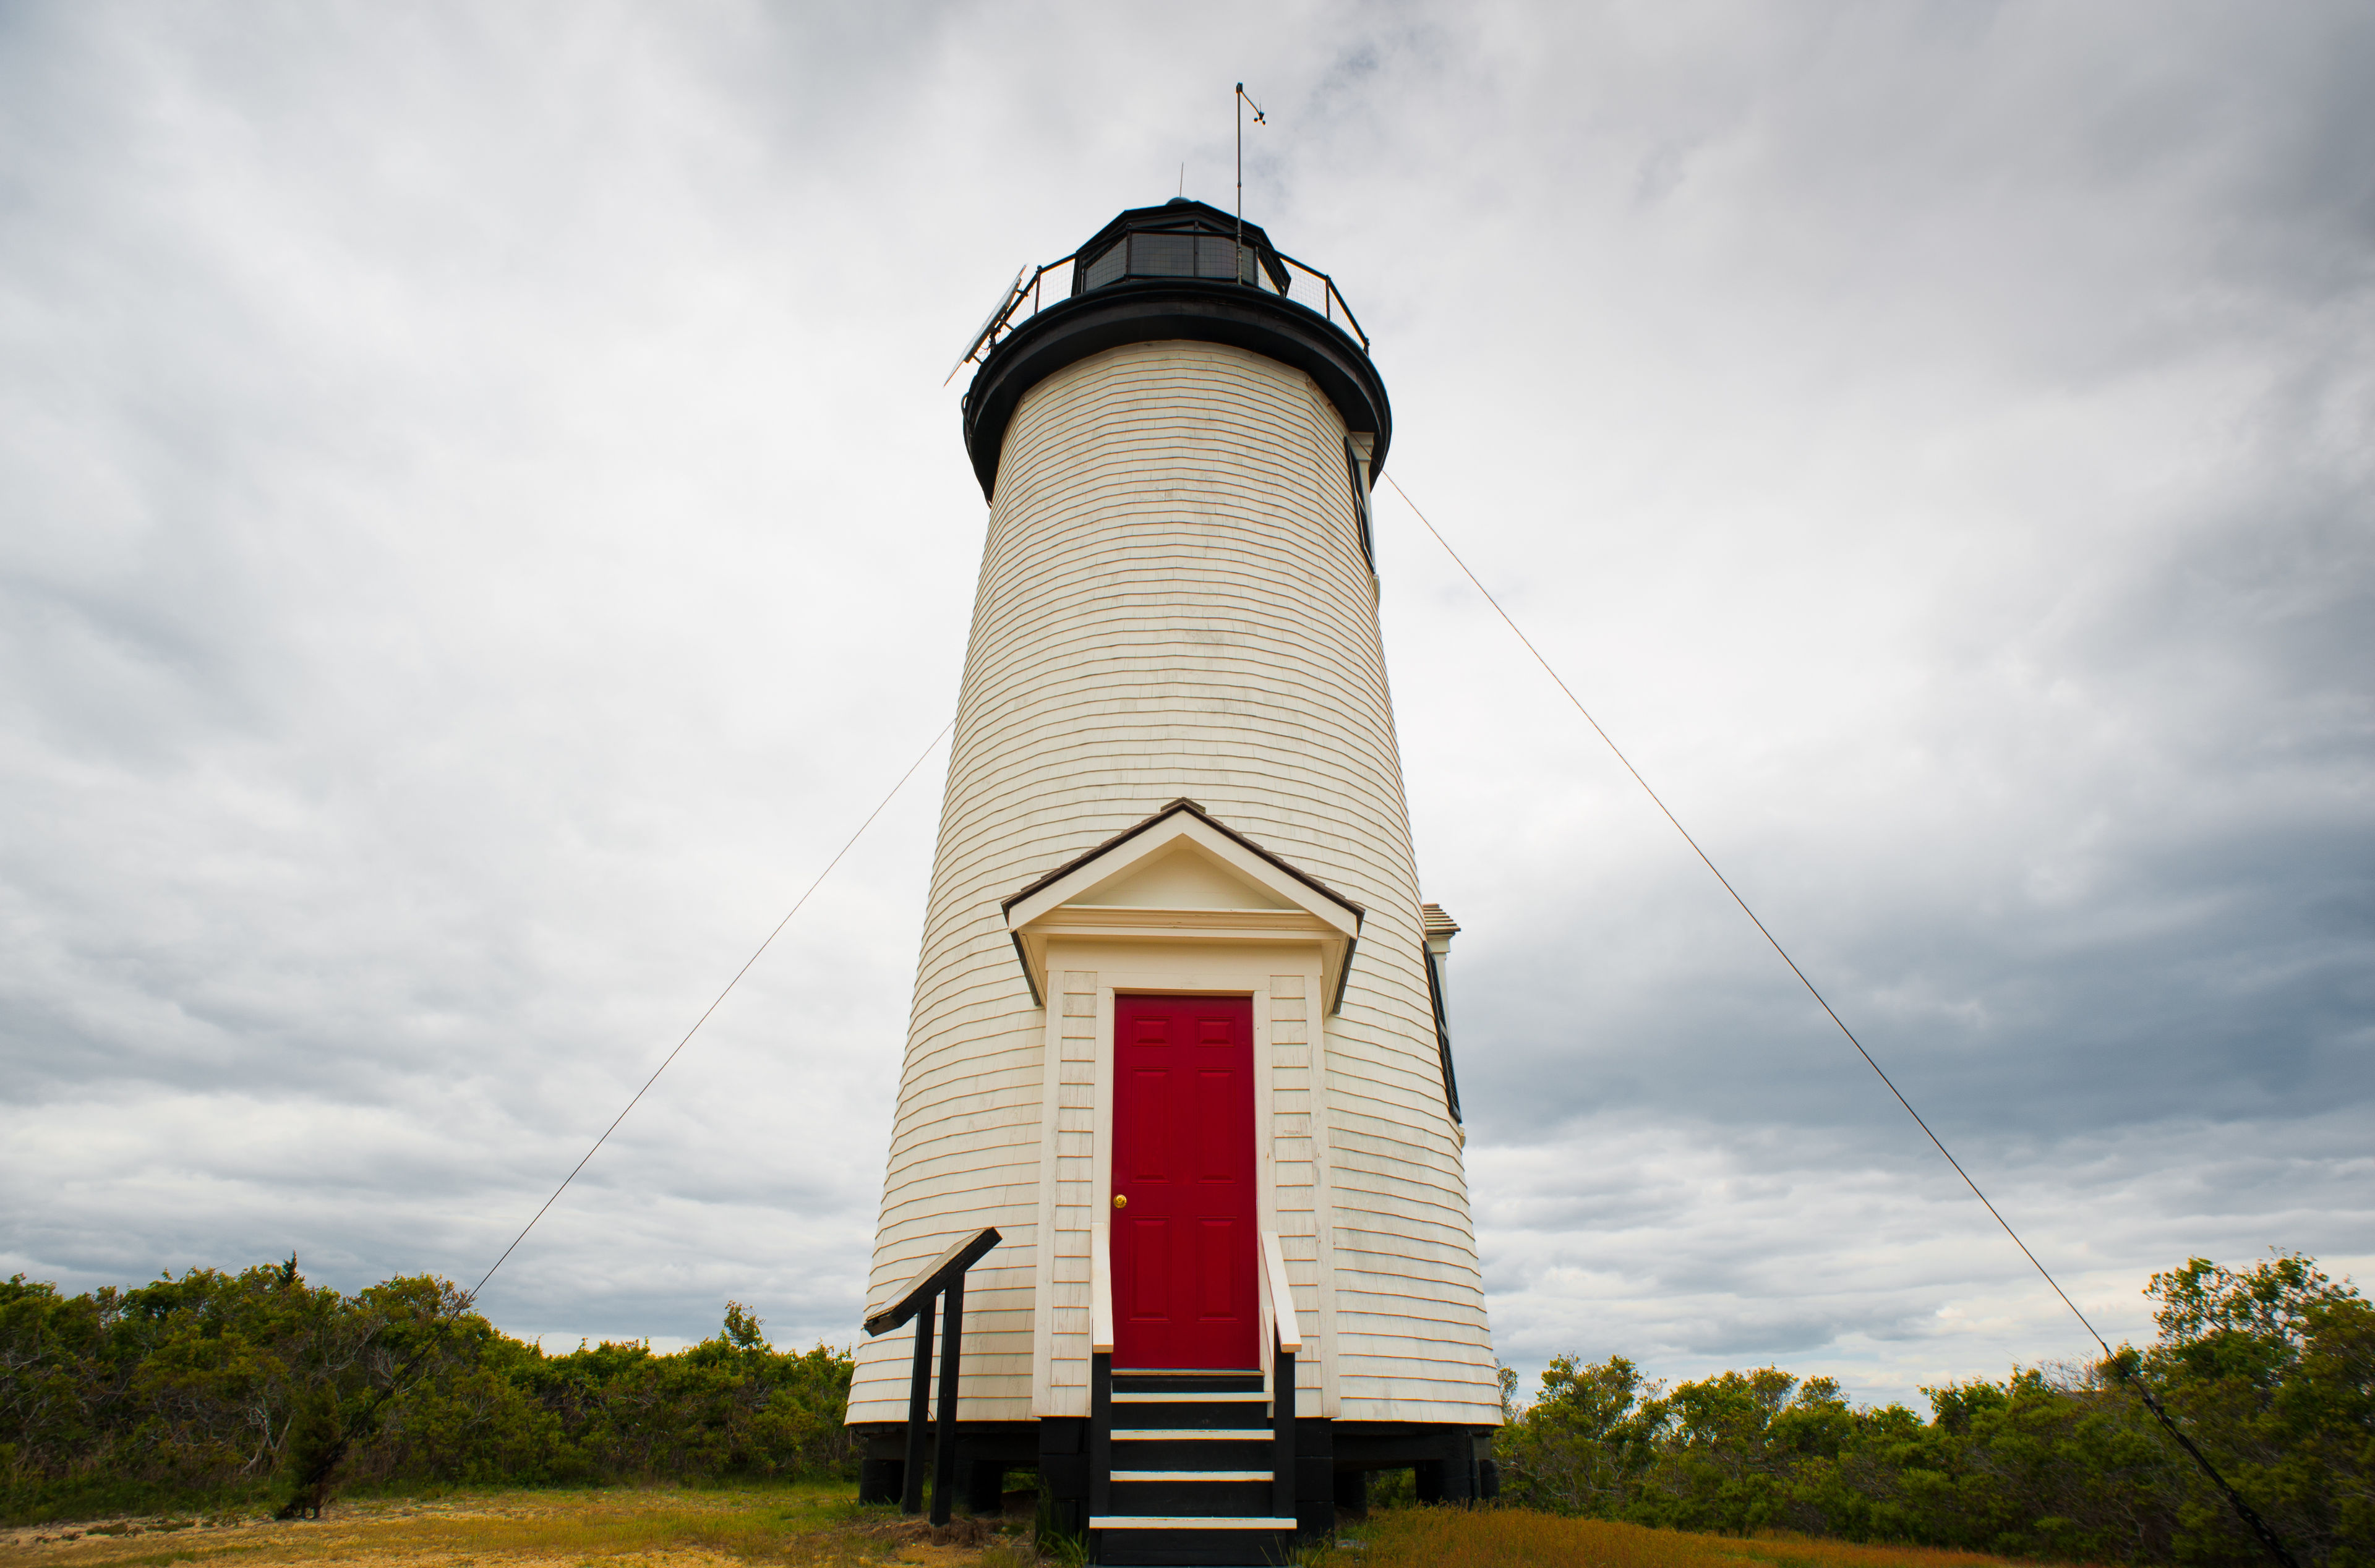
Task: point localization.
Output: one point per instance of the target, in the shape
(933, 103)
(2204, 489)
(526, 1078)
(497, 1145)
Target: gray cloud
(482, 523)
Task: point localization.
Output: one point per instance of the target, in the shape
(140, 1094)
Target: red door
(1182, 1173)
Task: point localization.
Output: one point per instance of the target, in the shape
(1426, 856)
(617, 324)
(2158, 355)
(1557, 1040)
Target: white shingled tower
(1178, 1035)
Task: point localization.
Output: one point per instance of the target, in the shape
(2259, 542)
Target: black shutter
(1369, 550)
(1442, 1034)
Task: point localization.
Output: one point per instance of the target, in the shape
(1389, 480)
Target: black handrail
(1282, 1410)
(1101, 1354)
(943, 1281)
(1285, 1340)
(1332, 292)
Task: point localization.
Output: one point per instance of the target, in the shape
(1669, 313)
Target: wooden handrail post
(919, 1393)
(944, 1276)
(944, 1446)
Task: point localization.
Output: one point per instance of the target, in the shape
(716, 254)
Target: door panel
(1148, 1156)
(1220, 1270)
(1183, 1159)
(1149, 1268)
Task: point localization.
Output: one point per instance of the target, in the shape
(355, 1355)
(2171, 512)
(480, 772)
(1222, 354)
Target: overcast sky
(480, 522)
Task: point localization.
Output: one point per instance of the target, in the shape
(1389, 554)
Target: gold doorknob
(1120, 1202)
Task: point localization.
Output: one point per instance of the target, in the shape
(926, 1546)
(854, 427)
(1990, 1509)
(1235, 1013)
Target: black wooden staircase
(1193, 1467)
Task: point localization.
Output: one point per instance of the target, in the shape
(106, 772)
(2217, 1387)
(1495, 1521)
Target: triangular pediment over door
(1181, 874)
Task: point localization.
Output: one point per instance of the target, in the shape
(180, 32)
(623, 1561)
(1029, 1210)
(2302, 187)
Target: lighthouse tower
(1178, 1035)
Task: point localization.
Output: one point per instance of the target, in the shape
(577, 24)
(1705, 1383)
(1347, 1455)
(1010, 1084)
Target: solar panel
(989, 323)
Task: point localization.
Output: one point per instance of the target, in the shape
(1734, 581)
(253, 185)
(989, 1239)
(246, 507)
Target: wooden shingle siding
(1074, 1205)
(1174, 601)
(1295, 1174)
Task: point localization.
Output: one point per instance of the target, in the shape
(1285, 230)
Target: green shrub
(216, 1390)
(2270, 1371)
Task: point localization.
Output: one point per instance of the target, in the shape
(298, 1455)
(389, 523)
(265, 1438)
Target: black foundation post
(1459, 1468)
(985, 1487)
(879, 1480)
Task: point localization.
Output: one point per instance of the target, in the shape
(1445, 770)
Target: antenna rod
(1258, 120)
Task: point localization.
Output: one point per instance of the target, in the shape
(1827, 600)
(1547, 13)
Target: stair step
(1182, 1487)
(1192, 1434)
(1191, 1396)
(1184, 1522)
(1196, 1418)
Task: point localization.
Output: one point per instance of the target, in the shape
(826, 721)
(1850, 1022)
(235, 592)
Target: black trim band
(1148, 311)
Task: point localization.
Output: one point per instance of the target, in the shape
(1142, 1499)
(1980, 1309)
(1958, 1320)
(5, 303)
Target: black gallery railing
(1212, 257)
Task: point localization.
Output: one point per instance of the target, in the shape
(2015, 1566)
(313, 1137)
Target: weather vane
(1243, 103)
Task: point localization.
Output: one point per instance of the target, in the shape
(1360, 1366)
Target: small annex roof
(1182, 875)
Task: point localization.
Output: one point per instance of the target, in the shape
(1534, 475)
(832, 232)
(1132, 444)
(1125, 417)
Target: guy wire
(2259, 1526)
(1655, 800)
(306, 1499)
(680, 1044)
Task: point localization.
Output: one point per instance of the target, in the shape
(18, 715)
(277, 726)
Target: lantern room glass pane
(1162, 255)
(1107, 267)
(1215, 257)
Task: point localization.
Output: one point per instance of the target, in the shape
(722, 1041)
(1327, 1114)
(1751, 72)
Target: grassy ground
(822, 1524)
(1445, 1537)
(792, 1524)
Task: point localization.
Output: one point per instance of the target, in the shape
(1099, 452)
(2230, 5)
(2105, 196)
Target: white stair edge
(1194, 1475)
(1193, 1435)
(1245, 1396)
(1183, 1522)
